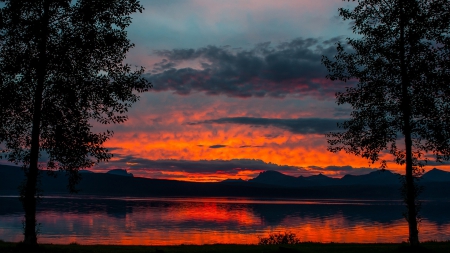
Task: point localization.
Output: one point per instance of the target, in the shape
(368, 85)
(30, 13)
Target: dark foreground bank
(431, 247)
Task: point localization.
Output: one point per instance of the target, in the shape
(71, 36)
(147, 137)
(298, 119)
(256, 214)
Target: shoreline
(304, 247)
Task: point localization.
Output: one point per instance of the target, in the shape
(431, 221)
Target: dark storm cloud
(434, 163)
(299, 126)
(342, 170)
(164, 65)
(217, 146)
(288, 68)
(202, 166)
(250, 146)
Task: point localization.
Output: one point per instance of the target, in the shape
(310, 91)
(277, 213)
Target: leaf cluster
(279, 238)
(377, 100)
(86, 80)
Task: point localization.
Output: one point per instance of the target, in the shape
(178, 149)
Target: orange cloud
(160, 128)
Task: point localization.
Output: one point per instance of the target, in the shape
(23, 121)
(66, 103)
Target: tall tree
(399, 60)
(61, 70)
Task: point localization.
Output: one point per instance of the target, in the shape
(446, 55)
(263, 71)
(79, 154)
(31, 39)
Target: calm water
(218, 220)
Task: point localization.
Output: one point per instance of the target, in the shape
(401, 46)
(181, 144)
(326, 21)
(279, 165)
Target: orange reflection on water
(215, 213)
(208, 221)
(335, 230)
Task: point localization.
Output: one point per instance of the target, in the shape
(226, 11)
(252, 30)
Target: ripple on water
(155, 221)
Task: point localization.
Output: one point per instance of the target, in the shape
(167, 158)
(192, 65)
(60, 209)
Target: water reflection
(206, 220)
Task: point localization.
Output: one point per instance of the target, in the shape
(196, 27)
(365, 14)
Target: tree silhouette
(61, 70)
(400, 61)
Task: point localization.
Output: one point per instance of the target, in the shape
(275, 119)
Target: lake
(174, 221)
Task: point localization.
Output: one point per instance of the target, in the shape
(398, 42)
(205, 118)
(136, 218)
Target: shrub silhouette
(279, 238)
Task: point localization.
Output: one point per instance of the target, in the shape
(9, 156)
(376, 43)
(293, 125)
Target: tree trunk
(29, 195)
(410, 198)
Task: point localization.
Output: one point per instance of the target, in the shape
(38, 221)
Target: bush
(279, 238)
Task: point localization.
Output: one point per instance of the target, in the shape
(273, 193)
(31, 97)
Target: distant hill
(374, 178)
(379, 177)
(321, 180)
(436, 175)
(277, 178)
(269, 184)
(120, 172)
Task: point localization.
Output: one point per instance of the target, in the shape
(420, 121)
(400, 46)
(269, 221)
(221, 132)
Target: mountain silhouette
(268, 184)
(277, 178)
(120, 172)
(436, 175)
(321, 180)
(378, 177)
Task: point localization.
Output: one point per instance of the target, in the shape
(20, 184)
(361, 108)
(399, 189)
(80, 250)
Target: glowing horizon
(239, 88)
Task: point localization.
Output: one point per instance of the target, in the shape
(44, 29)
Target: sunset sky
(238, 89)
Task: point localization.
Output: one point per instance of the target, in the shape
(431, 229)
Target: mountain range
(269, 184)
(378, 177)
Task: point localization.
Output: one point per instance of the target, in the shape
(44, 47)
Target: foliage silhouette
(61, 70)
(279, 238)
(401, 102)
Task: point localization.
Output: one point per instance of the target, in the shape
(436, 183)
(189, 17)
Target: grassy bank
(432, 247)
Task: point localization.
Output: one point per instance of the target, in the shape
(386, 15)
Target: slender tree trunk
(410, 197)
(29, 198)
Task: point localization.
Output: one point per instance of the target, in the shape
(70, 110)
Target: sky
(239, 88)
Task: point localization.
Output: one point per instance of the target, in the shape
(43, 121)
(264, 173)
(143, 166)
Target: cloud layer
(292, 67)
(217, 170)
(299, 126)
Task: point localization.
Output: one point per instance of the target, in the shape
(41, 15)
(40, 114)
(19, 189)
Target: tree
(62, 70)
(401, 102)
